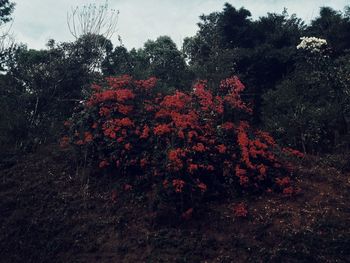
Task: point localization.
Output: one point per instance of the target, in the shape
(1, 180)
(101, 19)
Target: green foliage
(262, 52)
(334, 26)
(159, 58)
(6, 9)
(305, 100)
(166, 61)
(306, 110)
(306, 97)
(212, 52)
(45, 86)
(12, 119)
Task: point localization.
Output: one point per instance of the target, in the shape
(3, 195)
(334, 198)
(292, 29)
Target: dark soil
(49, 213)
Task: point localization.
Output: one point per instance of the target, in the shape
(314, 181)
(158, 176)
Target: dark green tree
(166, 62)
(229, 42)
(213, 52)
(334, 26)
(6, 9)
(49, 83)
(123, 62)
(307, 109)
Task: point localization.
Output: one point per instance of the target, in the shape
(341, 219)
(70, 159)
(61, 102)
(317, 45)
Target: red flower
(181, 134)
(176, 102)
(240, 210)
(178, 185)
(88, 137)
(161, 129)
(228, 126)
(174, 157)
(127, 146)
(210, 167)
(126, 122)
(124, 94)
(119, 82)
(288, 191)
(96, 87)
(283, 182)
(293, 152)
(147, 84)
(145, 132)
(143, 162)
(191, 135)
(221, 148)
(205, 97)
(234, 87)
(202, 186)
(192, 167)
(103, 164)
(262, 169)
(125, 109)
(266, 137)
(104, 111)
(199, 147)
(239, 171)
(243, 180)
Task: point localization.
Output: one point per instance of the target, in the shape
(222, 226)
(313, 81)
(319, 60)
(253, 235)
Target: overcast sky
(36, 21)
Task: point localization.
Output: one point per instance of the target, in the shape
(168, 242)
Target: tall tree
(49, 83)
(229, 42)
(213, 51)
(166, 61)
(334, 26)
(6, 9)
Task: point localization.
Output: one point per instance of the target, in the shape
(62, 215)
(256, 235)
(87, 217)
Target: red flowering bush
(187, 144)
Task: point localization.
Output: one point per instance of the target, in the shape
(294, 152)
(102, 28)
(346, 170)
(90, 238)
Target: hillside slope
(48, 214)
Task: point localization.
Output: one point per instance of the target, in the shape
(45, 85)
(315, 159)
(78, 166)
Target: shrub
(185, 144)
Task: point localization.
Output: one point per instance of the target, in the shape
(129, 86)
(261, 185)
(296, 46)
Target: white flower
(312, 44)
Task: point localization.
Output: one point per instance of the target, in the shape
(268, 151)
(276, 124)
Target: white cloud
(36, 21)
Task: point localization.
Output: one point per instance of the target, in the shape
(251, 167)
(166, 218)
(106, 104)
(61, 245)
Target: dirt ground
(49, 214)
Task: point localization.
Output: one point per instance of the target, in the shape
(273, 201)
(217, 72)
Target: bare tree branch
(92, 20)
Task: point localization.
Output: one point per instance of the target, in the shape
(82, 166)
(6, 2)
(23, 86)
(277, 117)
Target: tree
(94, 25)
(92, 20)
(6, 9)
(213, 51)
(6, 41)
(118, 62)
(306, 110)
(123, 62)
(49, 83)
(90, 50)
(334, 26)
(229, 42)
(166, 61)
(8, 102)
(159, 58)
